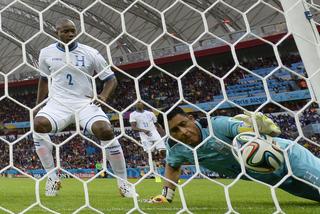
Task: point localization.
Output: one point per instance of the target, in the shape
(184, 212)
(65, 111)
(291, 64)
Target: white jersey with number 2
(72, 80)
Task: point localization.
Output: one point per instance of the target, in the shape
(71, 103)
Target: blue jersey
(213, 154)
(217, 156)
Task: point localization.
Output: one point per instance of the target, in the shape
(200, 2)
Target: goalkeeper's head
(182, 127)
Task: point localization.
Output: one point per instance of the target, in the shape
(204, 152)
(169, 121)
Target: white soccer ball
(260, 154)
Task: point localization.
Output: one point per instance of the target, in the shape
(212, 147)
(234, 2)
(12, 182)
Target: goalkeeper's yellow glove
(265, 124)
(166, 196)
(159, 199)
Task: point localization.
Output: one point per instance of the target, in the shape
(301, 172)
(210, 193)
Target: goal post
(301, 24)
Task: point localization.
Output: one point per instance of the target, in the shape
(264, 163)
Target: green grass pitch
(202, 196)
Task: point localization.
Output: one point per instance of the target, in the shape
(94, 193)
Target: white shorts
(147, 142)
(61, 113)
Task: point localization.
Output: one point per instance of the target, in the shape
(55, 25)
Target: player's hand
(159, 199)
(99, 100)
(102, 98)
(147, 132)
(265, 124)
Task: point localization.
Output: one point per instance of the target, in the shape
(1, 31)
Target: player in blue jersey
(71, 91)
(216, 156)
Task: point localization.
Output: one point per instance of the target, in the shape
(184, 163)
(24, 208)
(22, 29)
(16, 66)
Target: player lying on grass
(70, 91)
(218, 157)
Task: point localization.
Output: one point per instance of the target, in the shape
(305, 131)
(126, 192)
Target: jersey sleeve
(100, 67)
(225, 127)
(174, 158)
(43, 66)
(132, 118)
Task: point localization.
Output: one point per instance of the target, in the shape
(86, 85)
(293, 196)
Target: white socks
(116, 158)
(114, 155)
(44, 151)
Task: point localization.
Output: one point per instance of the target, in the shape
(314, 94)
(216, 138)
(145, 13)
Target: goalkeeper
(216, 156)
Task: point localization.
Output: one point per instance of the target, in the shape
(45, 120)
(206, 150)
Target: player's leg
(147, 144)
(94, 121)
(305, 166)
(115, 156)
(47, 121)
(160, 149)
(42, 124)
(43, 146)
(300, 189)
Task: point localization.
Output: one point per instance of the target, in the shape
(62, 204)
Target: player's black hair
(61, 21)
(174, 112)
(203, 122)
(170, 115)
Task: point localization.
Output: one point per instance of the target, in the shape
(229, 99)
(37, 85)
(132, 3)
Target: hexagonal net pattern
(211, 58)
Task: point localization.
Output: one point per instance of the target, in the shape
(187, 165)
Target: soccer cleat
(52, 187)
(127, 191)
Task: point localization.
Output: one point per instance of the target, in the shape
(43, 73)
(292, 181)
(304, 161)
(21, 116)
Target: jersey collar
(72, 46)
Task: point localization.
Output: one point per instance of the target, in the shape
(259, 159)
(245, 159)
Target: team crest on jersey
(79, 61)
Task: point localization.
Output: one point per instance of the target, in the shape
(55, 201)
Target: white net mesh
(211, 57)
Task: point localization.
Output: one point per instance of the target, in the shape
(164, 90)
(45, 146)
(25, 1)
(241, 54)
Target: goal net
(210, 57)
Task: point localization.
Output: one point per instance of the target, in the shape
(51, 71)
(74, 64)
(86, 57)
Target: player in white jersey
(145, 122)
(71, 91)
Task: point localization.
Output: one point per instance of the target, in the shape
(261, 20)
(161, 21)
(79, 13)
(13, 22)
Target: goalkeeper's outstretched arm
(172, 174)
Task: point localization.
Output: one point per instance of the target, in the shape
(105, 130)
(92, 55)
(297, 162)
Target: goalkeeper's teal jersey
(217, 156)
(213, 154)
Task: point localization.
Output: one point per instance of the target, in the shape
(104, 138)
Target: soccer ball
(260, 154)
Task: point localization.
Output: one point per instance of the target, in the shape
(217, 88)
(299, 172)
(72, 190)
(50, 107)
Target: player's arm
(134, 127)
(160, 129)
(172, 174)
(42, 92)
(108, 88)
(106, 75)
(42, 89)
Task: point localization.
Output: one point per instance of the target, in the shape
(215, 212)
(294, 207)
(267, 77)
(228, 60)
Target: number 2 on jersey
(69, 77)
